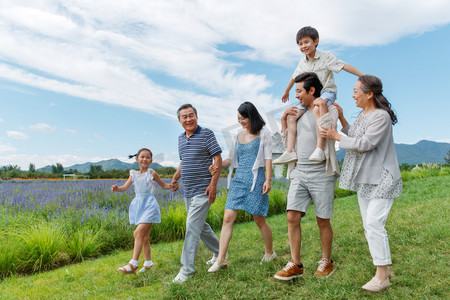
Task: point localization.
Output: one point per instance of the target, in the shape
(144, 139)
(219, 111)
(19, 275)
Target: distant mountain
(423, 151)
(110, 164)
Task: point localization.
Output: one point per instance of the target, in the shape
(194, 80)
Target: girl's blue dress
(144, 208)
(239, 196)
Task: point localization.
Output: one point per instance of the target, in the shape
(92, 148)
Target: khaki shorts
(315, 186)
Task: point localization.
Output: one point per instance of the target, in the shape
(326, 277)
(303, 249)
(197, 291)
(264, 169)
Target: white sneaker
(180, 278)
(285, 158)
(211, 261)
(266, 259)
(317, 155)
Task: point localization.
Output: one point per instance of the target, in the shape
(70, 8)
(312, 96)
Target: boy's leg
(323, 102)
(292, 130)
(289, 155)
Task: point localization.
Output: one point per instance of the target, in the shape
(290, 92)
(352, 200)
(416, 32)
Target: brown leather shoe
(290, 271)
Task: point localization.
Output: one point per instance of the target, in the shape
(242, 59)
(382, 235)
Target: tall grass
(46, 224)
(418, 234)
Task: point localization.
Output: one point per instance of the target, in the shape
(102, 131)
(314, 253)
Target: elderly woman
(371, 169)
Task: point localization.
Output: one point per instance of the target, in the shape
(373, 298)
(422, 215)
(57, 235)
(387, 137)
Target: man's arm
(175, 178)
(211, 190)
(352, 70)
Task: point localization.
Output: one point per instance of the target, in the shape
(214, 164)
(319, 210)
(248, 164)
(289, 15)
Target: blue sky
(91, 80)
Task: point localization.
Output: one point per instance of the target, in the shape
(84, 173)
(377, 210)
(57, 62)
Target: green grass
(418, 229)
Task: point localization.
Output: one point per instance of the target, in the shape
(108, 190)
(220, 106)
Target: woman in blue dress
(251, 152)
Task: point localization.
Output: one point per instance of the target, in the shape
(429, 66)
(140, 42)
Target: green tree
(447, 158)
(95, 171)
(57, 169)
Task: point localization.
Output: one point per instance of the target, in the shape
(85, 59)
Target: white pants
(374, 212)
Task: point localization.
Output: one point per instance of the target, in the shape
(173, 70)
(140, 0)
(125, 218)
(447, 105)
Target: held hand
(211, 192)
(291, 111)
(114, 188)
(329, 133)
(319, 101)
(213, 169)
(174, 185)
(285, 97)
(267, 187)
(339, 109)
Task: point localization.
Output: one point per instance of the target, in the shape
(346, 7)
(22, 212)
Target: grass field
(418, 229)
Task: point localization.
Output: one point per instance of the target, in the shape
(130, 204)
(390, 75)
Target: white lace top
(387, 188)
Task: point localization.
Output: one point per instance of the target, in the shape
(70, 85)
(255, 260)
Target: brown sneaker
(289, 272)
(325, 269)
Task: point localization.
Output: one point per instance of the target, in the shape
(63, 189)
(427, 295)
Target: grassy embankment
(419, 235)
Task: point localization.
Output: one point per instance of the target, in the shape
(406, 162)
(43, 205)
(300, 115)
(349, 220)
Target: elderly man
(310, 180)
(197, 147)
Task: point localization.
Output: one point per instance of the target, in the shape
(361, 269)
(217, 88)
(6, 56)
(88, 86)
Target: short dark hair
(309, 80)
(307, 31)
(184, 106)
(248, 110)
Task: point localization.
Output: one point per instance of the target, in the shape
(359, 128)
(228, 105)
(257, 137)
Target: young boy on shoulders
(323, 64)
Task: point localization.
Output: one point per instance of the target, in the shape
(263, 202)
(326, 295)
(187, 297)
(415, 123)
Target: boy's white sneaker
(317, 155)
(285, 158)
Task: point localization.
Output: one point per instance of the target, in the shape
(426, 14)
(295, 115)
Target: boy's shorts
(324, 95)
(315, 186)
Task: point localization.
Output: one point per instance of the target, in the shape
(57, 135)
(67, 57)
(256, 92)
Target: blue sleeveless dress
(144, 208)
(239, 196)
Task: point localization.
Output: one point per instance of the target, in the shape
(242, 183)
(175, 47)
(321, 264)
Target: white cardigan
(264, 152)
(377, 147)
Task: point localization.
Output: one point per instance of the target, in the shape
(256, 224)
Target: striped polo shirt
(196, 153)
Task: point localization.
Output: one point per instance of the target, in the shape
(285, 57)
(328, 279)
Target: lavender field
(45, 224)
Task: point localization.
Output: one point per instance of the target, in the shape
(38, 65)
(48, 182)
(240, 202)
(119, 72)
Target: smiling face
(306, 98)
(308, 46)
(363, 99)
(144, 159)
(245, 122)
(188, 120)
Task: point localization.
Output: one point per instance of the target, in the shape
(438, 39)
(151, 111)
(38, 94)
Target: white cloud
(40, 161)
(107, 51)
(7, 148)
(1, 120)
(71, 131)
(17, 135)
(42, 127)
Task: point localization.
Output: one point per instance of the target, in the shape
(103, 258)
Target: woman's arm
(376, 132)
(268, 183)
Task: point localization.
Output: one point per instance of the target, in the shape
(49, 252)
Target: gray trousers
(197, 209)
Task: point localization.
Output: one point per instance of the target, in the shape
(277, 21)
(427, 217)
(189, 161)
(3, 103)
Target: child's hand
(285, 97)
(213, 169)
(114, 188)
(174, 185)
